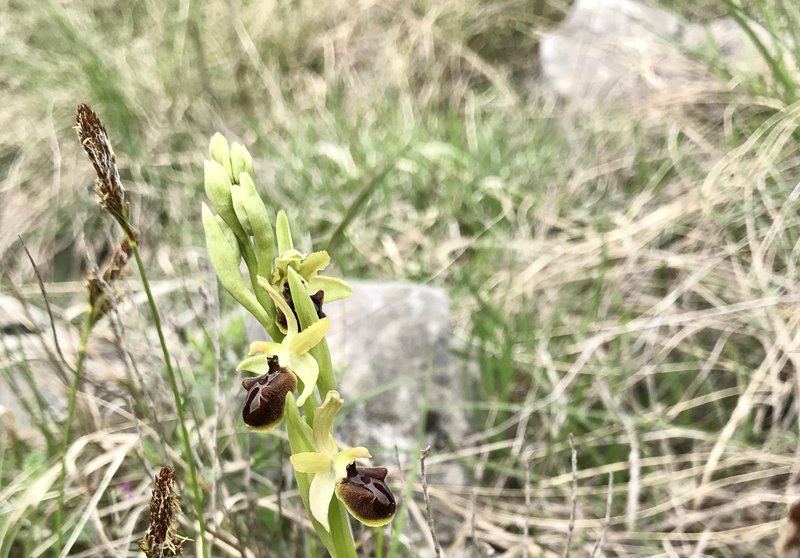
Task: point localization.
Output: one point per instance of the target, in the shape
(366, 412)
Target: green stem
(173, 383)
(71, 400)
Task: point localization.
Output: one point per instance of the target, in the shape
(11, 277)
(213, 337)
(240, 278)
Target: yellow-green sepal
(310, 462)
(333, 287)
(283, 233)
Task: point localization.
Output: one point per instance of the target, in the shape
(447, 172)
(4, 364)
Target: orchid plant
(285, 293)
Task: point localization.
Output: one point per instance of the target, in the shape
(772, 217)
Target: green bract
(224, 254)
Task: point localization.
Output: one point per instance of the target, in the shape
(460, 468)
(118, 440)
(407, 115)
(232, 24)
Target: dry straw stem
(423, 477)
(573, 497)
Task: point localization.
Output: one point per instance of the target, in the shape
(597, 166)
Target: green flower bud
(219, 151)
(231, 238)
(241, 160)
(218, 189)
(218, 148)
(258, 218)
(237, 197)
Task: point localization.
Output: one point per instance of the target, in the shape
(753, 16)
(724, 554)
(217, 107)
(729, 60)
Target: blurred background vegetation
(626, 276)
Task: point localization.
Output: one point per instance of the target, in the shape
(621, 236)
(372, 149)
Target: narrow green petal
(256, 364)
(320, 495)
(333, 287)
(301, 343)
(307, 369)
(314, 262)
(323, 422)
(291, 322)
(310, 462)
(283, 233)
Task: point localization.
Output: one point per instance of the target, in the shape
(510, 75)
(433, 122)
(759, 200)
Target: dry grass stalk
(111, 196)
(422, 456)
(162, 539)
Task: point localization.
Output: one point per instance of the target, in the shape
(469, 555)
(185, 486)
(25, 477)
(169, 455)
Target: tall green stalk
(197, 494)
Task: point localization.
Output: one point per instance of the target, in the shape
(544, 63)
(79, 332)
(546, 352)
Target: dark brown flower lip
(366, 495)
(266, 396)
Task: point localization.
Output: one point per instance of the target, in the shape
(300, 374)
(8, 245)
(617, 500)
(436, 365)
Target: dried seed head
(108, 185)
(100, 285)
(162, 539)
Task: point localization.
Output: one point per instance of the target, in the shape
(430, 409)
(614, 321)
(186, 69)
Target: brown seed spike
(788, 545)
(94, 140)
(162, 539)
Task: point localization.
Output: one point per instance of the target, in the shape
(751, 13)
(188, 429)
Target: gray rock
(32, 374)
(392, 342)
(612, 50)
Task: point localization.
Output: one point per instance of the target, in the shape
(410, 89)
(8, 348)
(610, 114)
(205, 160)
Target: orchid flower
(362, 490)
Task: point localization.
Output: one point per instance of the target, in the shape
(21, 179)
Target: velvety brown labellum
(366, 495)
(266, 396)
